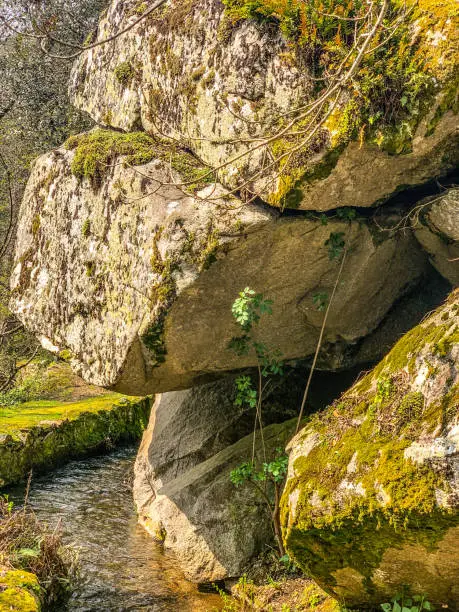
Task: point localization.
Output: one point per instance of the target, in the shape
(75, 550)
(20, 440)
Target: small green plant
(335, 244)
(384, 389)
(320, 301)
(268, 481)
(247, 309)
(246, 395)
(27, 544)
(403, 603)
(288, 564)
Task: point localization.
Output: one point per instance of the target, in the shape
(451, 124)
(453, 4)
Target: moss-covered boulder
(371, 501)
(19, 591)
(223, 75)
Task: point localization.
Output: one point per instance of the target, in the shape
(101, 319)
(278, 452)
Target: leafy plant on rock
(268, 481)
(247, 309)
(403, 603)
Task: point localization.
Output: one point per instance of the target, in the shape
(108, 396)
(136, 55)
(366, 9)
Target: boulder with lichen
(371, 501)
(226, 76)
(129, 261)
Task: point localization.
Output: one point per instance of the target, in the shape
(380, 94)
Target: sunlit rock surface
(190, 72)
(371, 500)
(137, 280)
(436, 225)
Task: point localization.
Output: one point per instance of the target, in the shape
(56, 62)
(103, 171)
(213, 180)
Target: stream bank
(75, 430)
(65, 419)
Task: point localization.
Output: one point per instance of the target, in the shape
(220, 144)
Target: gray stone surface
(182, 486)
(436, 226)
(143, 301)
(197, 78)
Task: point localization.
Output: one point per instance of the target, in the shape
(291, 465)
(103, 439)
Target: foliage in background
(35, 116)
(31, 383)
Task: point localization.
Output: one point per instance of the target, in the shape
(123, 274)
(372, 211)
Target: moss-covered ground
(294, 594)
(64, 418)
(16, 419)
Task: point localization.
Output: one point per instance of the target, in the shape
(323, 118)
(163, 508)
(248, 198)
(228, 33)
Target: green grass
(28, 415)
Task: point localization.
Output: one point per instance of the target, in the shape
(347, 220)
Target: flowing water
(121, 568)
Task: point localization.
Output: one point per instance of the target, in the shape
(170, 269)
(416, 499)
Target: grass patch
(13, 419)
(97, 151)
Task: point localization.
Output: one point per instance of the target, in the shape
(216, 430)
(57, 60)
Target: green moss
(125, 73)
(96, 151)
(404, 352)
(359, 494)
(444, 344)
(193, 172)
(153, 339)
(139, 9)
(19, 578)
(36, 223)
(201, 253)
(57, 431)
(90, 268)
(404, 81)
(208, 251)
(19, 591)
(299, 173)
(333, 531)
(361, 546)
(86, 229)
(449, 404)
(411, 406)
(197, 74)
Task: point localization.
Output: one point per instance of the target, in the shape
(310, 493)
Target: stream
(121, 567)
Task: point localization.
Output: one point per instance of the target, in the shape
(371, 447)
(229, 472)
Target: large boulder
(182, 488)
(372, 499)
(117, 264)
(221, 76)
(436, 225)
